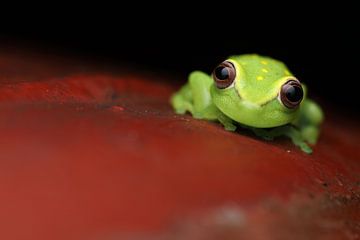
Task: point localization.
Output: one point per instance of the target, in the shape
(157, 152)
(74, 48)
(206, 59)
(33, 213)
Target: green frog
(254, 92)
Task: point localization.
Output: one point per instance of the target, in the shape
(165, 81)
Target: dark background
(320, 47)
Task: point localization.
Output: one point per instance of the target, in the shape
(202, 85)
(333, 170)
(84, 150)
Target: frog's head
(256, 91)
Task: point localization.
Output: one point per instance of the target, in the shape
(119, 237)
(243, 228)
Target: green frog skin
(254, 92)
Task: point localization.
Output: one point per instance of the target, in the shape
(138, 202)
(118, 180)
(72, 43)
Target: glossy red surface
(88, 152)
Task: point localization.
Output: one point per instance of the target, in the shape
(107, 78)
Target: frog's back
(261, 74)
(261, 68)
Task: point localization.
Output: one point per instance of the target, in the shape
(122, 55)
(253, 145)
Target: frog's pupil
(222, 73)
(294, 93)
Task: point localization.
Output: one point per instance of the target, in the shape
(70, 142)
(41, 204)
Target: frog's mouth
(249, 103)
(257, 96)
(270, 114)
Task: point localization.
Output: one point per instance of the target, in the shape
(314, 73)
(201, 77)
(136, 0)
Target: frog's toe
(305, 148)
(268, 138)
(197, 115)
(230, 127)
(180, 111)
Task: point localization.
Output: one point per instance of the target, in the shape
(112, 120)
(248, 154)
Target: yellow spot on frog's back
(259, 78)
(287, 72)
(264, 62)
(264, 70)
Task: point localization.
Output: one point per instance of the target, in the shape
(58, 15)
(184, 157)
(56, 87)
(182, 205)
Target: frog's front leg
(290, 131)
(182, 100)
(304, 129)
(195, 98)
(204, 108)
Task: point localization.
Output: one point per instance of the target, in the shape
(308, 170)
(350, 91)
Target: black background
(319, 46)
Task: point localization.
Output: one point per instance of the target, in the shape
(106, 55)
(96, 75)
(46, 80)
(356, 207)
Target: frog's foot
(226, 122)
(289, 131)
(298, 139)
(265, 134)
(181, 105)
(310, 134)
(183, 108)
(198, 115)
(213, 114)
(229, 127)
(305, 148)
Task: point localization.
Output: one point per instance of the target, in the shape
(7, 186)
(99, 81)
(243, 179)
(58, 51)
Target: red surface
(88, 152)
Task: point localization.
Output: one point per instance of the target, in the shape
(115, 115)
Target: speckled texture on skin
(263, 75)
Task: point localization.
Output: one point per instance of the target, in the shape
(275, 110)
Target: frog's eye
(224, 74)
(291, 94)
